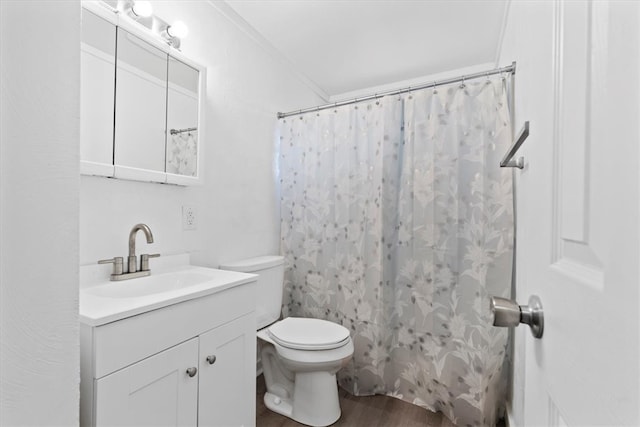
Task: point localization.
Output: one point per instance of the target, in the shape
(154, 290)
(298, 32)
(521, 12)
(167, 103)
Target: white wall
(39, 187)
(237, 207)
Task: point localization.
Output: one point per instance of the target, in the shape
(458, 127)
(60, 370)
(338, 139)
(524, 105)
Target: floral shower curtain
(397, 223)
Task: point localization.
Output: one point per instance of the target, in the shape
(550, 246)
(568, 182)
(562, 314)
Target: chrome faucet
(132, 261)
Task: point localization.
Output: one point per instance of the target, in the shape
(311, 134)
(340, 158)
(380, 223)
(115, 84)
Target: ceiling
(346, 45)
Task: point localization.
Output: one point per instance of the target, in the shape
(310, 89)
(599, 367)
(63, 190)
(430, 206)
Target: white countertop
(172, 280)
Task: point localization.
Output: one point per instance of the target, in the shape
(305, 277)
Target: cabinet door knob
(192, 371)
(211, 359)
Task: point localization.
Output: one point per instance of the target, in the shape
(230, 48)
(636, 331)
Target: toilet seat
(308, 334)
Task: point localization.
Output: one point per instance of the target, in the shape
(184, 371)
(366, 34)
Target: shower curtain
(397, 222)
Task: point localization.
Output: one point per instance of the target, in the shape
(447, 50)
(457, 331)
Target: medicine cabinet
(141, 103)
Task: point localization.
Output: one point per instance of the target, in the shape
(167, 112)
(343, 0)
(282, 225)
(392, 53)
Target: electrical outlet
(189, 218)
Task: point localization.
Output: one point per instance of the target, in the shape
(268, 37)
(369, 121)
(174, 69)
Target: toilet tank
(270, 270)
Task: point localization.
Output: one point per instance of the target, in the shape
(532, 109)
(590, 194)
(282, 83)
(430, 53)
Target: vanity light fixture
(173, 33)
(178, 29)
(141, 12)
(141, 9)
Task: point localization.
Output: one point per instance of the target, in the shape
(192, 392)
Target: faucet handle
(117, 264)
(144, 261)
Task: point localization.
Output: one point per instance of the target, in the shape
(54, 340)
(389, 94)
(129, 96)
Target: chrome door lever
(508, 313)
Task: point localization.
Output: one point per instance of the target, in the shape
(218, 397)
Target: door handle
(211, 359)
(192, 371)
(508, 313)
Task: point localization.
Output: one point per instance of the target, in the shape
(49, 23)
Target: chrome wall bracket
(507, 313)
(508, 160)
(514, 163)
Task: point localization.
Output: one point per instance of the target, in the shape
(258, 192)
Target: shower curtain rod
(178, 131)
(508, 69)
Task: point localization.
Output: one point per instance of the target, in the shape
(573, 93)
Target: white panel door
(156, 391)
(228, 374)
(578, 207)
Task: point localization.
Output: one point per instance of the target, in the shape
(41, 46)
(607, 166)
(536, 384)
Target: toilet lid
(308, 334)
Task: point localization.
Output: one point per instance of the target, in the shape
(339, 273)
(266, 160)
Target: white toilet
(300, 356)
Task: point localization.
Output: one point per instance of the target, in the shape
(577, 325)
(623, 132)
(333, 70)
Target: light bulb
(178, 29)
(142, 9)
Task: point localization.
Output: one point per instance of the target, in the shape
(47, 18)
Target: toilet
(300, 356)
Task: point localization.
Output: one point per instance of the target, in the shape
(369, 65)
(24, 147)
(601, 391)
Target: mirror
(182, 119)
(141, 99)
(97, 65)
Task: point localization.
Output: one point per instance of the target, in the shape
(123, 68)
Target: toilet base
(278, 405)
(310, 408)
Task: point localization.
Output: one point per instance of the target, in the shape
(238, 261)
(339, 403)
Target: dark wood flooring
(364, 411)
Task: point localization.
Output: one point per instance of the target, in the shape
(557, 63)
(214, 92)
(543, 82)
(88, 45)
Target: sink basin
(150, 285)
(103, 301)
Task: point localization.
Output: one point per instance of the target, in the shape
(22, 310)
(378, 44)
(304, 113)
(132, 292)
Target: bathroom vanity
(175, 348)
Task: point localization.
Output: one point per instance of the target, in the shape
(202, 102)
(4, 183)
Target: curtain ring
(462, 85)
(435, 91)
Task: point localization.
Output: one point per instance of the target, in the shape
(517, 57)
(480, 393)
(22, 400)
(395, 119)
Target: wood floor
(365, 411)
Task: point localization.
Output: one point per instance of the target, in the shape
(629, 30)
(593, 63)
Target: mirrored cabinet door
(140, 113)
(97, 80)
(182, 119)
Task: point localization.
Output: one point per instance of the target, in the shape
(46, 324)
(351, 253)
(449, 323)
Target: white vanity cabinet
(154, 391)
(225, 377)
(190, 363)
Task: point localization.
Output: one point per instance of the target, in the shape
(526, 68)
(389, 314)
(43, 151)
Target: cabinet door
(97, 80)
(156, 391)
(182, 122)
(141, 109)
(228, 382)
